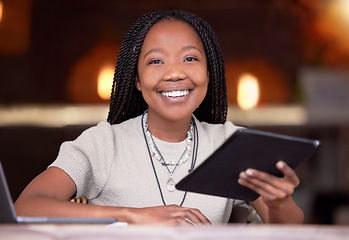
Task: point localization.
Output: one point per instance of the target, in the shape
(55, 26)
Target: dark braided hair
(126, 100)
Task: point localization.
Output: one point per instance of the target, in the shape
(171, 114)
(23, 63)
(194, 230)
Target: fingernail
(241, 181)
(243, 175)
(280, 164)
(249, 172)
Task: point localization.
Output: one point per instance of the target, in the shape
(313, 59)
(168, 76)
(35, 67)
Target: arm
(49, 193)
(275, 204)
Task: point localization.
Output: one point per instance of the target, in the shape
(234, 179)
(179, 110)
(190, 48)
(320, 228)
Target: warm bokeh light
(327, 33)
(343, 7)
(248, 91)
(105, 81)
(336, 21)
(1, 10)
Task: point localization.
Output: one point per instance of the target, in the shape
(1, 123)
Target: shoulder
(106, 130)
(94, 151)
(211, 136)
(103, 137)
(130, 124)
(223, 130)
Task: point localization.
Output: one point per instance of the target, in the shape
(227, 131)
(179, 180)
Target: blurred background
(287, 67)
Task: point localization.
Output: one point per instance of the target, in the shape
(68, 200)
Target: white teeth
(175, 93)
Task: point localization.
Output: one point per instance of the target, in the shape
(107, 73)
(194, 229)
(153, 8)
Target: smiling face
(172, 71)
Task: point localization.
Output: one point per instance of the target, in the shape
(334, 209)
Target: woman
(167, 114)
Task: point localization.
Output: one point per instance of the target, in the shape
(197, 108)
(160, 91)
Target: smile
(176, 93)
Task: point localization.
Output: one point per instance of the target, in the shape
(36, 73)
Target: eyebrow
(151, 51)
(159, 50)
(191, 47)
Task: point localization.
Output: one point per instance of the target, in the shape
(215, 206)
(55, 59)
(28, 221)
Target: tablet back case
(246, 148)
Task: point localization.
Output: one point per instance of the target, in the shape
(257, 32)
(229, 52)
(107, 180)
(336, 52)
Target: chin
(178, 116)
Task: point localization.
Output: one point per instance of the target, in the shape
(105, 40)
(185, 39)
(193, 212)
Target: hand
(169, 215)
(273, 190)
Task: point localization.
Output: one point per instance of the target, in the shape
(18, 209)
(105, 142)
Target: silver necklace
(156, 154)
(193, 160)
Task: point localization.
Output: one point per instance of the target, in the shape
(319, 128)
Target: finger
(201, 216)
(184, 222)
(266, 185)
(260, 178)
(190, 221)
(260, 191)
(284, 184)
(260, 187)
(193, 215)
(289, 173)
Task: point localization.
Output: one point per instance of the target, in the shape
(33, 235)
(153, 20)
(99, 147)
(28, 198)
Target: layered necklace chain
(154, 153)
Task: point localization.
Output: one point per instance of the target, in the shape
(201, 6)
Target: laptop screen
(7, 211)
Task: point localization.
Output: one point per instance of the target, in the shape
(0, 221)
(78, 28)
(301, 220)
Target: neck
(168, 130)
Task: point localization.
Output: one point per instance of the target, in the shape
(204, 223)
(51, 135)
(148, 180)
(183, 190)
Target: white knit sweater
(111, 166)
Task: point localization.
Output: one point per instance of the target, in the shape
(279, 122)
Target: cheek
(205, 90)
(142, 83)
(199, 74)
(203, 80)
(138, 84)
(205, 84)
(202, 87)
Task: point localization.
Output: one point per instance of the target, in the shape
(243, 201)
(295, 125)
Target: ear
(138, 83)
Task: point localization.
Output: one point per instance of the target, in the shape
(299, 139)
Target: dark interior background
(51, 52)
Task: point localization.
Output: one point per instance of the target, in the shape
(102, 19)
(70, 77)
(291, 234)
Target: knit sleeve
(88, 159)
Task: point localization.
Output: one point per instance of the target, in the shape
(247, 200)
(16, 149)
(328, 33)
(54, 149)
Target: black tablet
(246, 148)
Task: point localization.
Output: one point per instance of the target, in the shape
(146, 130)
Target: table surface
(231, 231)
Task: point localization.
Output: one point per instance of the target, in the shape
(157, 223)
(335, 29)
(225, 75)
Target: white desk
(240, 232)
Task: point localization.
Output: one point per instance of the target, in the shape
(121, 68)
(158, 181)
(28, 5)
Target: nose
(174, 72)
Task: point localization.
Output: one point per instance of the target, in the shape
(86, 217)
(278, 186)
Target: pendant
(171, 185)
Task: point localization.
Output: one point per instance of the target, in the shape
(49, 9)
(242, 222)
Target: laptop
(8, 214)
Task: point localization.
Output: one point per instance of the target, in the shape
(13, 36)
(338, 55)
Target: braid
(127, 102)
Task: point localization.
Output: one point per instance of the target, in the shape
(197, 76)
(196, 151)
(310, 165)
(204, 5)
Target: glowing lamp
(105, 81)
(1, 10)
(248, 91)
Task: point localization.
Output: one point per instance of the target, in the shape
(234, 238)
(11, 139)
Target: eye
(155, 61)
(190, 59)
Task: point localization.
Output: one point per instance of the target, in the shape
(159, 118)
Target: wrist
(285, 212)
(122, 214)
